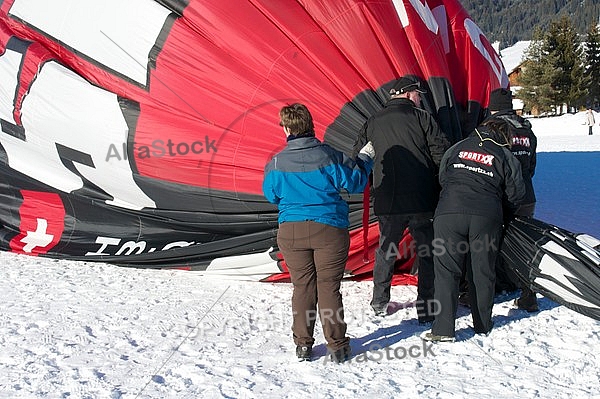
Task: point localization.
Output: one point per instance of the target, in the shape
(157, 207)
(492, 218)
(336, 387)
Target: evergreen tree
(592, 72)
(563, 43)
(553, 73)
(538, 75)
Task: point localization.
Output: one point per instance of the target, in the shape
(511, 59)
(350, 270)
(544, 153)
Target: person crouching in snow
(475, 174)
(305, 181)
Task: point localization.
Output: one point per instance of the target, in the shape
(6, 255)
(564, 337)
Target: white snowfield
(90, 330)
(567, 132)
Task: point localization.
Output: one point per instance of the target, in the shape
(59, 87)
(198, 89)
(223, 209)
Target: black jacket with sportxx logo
(476, 174)
(524, 147)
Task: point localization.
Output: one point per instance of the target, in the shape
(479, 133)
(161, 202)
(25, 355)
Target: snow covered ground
(88, 330)
(566, 133)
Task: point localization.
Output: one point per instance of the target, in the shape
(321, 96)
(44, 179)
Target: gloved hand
(368, 150)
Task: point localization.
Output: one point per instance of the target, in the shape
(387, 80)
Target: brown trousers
(316, 256)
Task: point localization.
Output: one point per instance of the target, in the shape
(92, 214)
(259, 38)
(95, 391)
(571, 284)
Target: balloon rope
(365, 223)
(155, 374)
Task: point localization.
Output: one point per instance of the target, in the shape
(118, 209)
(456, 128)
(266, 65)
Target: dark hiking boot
(527, 301)
(464, 299)
(486, 333)
(380, 310)
(431, 337)
(340, 355)
(304, 352)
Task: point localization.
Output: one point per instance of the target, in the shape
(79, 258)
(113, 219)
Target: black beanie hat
(500, 99)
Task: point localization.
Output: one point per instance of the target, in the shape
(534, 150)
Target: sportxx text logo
(485, 159)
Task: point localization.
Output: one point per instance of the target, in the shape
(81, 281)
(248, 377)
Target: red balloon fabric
(136, 132)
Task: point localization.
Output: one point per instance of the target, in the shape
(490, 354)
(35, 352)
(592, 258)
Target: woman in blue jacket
(305, 181)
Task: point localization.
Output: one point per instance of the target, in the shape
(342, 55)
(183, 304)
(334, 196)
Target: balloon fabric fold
(556, 263)
(136, 132)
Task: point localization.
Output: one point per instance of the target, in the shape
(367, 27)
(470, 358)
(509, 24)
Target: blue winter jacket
(305, 180)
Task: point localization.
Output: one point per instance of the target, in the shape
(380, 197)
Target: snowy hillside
(512, 56)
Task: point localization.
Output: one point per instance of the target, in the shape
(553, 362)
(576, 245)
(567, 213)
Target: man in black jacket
(478, 175)
(409, 146)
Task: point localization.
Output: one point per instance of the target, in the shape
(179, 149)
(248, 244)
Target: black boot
(527, 301)
(340, 355)
(304, 352)
(464, 299)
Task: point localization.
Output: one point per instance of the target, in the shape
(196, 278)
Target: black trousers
(456, 237)
(391, 230)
